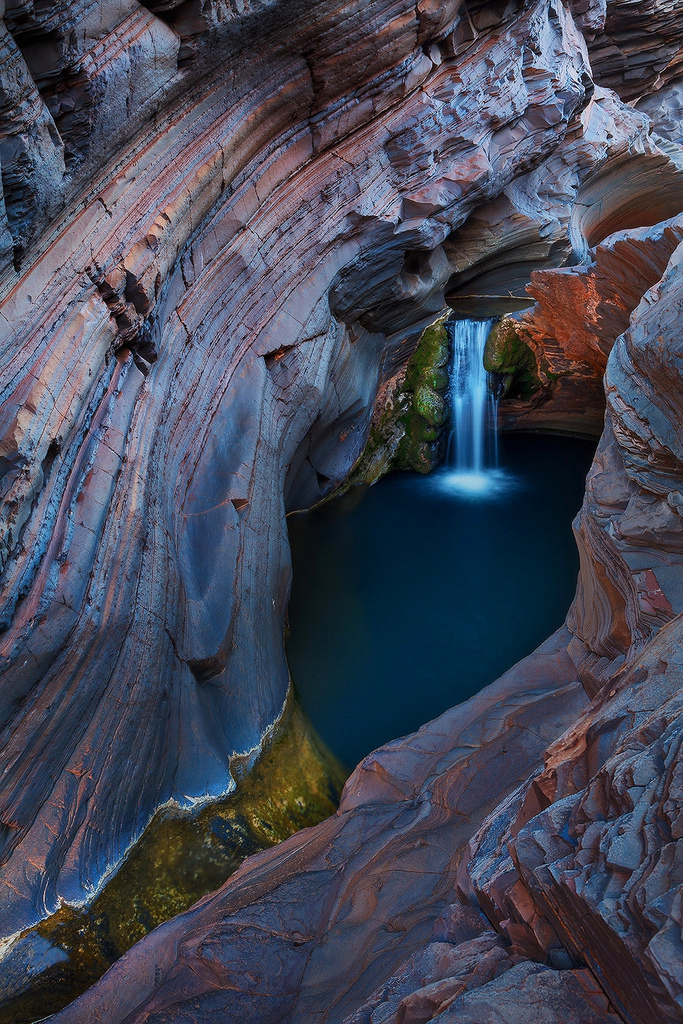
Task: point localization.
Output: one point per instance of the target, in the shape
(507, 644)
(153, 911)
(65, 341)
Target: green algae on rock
(411, 411)
(508, 354)
(386, 433)
(426, 408)
(295, 783)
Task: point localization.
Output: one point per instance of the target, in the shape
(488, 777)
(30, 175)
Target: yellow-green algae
(296, 782)
(407, 431)
(508, 354)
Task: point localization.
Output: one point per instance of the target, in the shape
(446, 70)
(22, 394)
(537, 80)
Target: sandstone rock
(639, 48)
(339, 908)
(206, 289)
(589, 848)
(273, 237)
(430, 981)
(579, 313)
(577, 866)
(599, 864)
(533, 992)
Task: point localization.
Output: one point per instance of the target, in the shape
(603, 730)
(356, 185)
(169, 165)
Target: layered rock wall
(565, 902)
(563, 341)
(224, 292)
(222, 231)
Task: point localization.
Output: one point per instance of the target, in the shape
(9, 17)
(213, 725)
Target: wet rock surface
(222, 232)
(294, 784)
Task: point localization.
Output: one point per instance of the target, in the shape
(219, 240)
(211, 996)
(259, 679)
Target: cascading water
(472, 447)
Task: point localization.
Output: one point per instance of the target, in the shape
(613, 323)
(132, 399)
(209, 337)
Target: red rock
(279, 209)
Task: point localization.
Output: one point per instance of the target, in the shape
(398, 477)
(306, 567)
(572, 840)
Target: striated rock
(263, 248)
(606, 175)
(313, 926)
(226, 227)
(639, 47)
(599, 865)
(31, 156)
(579, 313)
(433, 978)
(531, 991)
(665, 110)
(576, 869)
(585, 857)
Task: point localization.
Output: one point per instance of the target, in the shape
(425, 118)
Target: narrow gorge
(233, 238)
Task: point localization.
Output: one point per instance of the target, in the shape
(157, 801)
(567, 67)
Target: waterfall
(472, 445)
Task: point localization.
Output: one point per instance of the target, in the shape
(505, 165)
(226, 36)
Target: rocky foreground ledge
(222, 233)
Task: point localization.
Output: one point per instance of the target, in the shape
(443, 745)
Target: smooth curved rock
(578, 867)
(325, 917)
(252, 248)
(199, 303)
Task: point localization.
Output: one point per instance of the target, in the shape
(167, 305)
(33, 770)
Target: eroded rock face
(635, 48)
(578, 314)
(328, 915)
(566, 901)
(203, 289)
(254, 245)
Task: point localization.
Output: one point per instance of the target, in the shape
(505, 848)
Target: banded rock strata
(569, 332)
(565, 902)
(222, 231)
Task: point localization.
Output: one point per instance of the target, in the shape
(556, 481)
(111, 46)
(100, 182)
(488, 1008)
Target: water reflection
(494, 483)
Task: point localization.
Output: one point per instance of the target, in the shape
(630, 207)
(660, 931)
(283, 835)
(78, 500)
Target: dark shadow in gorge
(407, 600)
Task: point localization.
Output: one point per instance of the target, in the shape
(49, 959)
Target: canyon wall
(420, 899)
(222, 231)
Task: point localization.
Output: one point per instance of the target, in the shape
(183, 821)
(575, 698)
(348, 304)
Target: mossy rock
(425, 398)
(408, 432)
(508, 354)
(416, 453)
(431, 354)
(430, 405)
(380, 449)
(437, 378)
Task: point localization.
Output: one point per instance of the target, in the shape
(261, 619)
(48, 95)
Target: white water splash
(472, 460)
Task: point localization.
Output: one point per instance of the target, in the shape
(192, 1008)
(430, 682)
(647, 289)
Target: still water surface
(410, 596)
